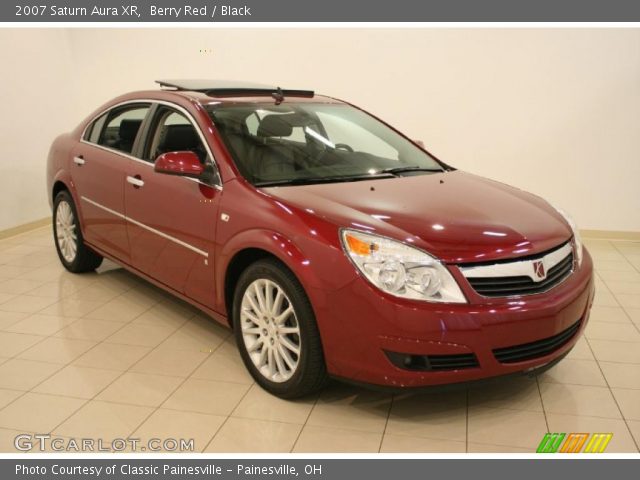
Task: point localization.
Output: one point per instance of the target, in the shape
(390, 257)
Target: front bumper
(360, 325)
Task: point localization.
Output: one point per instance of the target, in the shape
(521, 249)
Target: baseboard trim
(26, 227)
(611, 235)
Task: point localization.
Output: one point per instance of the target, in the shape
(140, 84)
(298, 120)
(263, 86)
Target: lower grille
(539, 348)
(522, 285)
(433, 363)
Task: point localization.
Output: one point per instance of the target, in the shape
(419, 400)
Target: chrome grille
(522, 277)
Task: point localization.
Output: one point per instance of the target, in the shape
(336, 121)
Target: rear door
(172, 219)
(98, 170)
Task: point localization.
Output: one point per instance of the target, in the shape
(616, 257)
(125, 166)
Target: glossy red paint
(179, 163)
(182, 235)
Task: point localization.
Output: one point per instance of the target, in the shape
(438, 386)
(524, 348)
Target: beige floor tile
(224, 365)
(345, 407)
(621, 442)
(57, 290)
(622, 375)
(518, 393)
(8, 396)
(17, 286)
(513, 428)
(438, 416)
(167, 361)
(163, 424)
(121, 309)
(620, 332)
(243, 435)
(12, 344)
(203, 335)
(50, 273)
(41, 324)
(26, 303)
(11, 271)
(143, 335)
(614, 266)
(203, 396)
(167, 314)
(404, 444)
(608, 315)
(576, 372)
(112, 356)
(140, 389)
(628, 276)
(20, 374)
(626, 300)
(10, 318)
(8, 438)
(5, 297)
(71, 307)
(611, 351)
(80, 382)
(604, 298)
(581, 351)
(488, 448)
(634, 314)
(334, 440)
(100, 292)
(634, 426)
(580, 400)
(103, 420)
(629, 401)
(39, 413)
(57, 350)
(260, 405)
(89, 329)
(626, 288)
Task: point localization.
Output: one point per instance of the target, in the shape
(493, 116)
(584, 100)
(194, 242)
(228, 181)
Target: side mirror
(420, 143)
(185, 164)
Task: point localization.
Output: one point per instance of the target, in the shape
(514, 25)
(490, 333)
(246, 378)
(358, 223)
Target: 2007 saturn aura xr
(332, 244)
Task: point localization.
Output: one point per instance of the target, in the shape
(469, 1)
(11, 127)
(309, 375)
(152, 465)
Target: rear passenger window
(122, 127)
(92, 133)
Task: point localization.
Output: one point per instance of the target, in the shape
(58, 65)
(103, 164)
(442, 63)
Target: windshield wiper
(414, 168)
(311, 180)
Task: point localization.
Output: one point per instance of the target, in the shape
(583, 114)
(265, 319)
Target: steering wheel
(344, 146)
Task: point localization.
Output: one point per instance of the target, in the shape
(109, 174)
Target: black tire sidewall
(277, 273)
(74, 266)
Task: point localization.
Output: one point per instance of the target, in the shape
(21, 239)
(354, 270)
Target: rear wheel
(74, 255)
(276, 331)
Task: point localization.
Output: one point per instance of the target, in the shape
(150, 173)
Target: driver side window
(173, 132)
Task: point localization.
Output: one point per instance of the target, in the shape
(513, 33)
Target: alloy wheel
(66, 232)
(270, 330)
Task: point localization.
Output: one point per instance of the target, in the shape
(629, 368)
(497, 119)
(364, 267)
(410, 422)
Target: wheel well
(58, 187)
(238, 264)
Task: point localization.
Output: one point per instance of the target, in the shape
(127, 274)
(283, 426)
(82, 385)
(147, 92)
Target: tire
(74, 255)
(260, 329)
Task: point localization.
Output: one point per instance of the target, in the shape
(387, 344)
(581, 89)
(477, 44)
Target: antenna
(278, 96)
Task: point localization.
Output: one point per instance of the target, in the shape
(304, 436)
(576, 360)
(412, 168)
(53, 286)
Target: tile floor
(107, 356)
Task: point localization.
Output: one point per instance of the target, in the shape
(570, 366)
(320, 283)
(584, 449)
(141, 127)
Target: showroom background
(553, 111)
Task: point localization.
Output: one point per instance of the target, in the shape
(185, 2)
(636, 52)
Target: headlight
(577, 241)
(401, 270)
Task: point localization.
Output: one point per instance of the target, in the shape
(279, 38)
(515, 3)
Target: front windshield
(298, 143)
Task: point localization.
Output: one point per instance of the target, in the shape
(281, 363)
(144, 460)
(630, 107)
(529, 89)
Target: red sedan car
(332, 244)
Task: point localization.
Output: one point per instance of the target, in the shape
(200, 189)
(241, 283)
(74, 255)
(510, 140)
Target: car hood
(456, 216)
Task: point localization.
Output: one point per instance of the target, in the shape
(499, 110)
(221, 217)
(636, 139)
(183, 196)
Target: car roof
(234, 91)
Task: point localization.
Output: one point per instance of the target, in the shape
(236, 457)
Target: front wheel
(276, 331)
(74, 255)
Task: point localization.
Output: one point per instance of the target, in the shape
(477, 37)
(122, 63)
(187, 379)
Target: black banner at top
(212, 11)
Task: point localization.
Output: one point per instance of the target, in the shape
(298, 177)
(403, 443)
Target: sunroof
(219, 88)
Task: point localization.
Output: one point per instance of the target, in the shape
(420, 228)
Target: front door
(172, 219)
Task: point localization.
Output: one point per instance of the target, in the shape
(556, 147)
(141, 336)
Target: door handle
(136, 181)
(78, 160)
